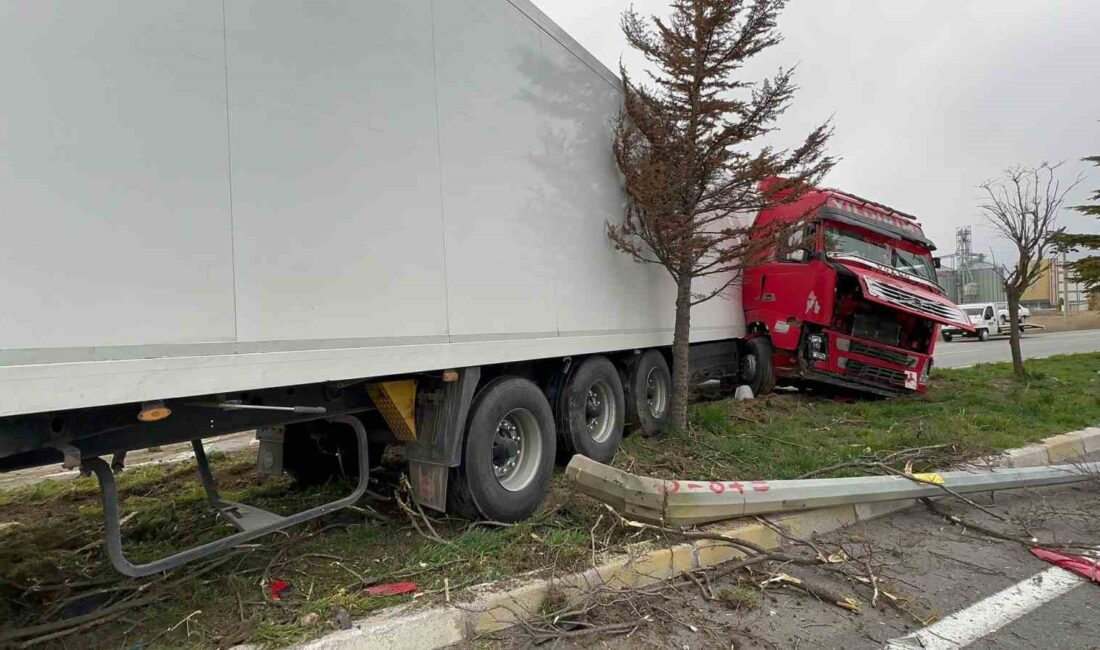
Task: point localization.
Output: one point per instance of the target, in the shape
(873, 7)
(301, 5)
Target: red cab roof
(848, 207)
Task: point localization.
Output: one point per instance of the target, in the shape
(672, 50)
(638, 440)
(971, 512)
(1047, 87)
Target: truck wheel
(983, 335)
(507, 454)
(647, 390)
(590, 411)
(947, 337)
(756, 366)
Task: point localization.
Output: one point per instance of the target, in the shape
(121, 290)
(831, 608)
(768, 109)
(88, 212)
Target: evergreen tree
(1087, 269)
(684, 143)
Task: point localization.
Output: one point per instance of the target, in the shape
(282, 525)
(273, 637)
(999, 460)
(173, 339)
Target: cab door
(790, 289)
(990, 318)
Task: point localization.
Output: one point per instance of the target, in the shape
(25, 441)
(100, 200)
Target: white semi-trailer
(344, 224)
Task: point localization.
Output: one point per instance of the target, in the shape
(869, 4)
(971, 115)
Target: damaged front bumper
(860, 364)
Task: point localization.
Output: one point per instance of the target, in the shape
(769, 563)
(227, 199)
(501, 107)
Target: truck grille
(883, 354)
(874, 374)
(904, 298)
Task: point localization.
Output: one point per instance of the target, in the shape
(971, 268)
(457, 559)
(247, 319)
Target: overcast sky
(929, 98)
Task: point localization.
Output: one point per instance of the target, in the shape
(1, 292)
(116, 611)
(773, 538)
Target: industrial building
(980, 283)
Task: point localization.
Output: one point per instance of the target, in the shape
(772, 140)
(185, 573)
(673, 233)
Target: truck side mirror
(937, 262)
(798, 255)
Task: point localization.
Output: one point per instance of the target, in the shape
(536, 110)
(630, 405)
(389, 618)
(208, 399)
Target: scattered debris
(814, 589)
(342, 619)
(391, 589)
(310, 618)
(1079, 565)
(279, 588)
(739, 597)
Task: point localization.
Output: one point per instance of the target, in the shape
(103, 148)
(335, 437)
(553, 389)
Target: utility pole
(964, 258)
(1065, 286)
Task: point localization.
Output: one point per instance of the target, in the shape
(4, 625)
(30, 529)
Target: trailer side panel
(306, 192)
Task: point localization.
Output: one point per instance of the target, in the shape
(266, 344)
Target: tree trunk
(1014, 334)
(678, 406)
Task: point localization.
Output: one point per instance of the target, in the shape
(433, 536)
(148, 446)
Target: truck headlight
(819, 347)
(924, 371)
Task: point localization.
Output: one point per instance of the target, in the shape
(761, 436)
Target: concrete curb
(409, 628)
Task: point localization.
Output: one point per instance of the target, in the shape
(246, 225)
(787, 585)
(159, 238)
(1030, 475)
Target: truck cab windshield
(850, 242)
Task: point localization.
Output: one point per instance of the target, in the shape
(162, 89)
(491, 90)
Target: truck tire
(756, 366)
(983, 335)
(507, 453)
(947, 337)
(590, 411)
(647, 391)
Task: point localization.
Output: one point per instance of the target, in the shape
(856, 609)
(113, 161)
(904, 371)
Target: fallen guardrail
(688, 503)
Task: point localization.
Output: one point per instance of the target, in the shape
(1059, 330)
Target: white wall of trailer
(198, 196)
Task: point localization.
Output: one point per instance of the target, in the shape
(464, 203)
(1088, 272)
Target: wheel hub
(656, 395)
(748, 367)
(593, 410)
(600, 411)
(517, 449)
(507, 449)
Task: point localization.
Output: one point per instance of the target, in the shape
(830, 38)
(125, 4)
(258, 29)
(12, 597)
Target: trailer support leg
(251, 522)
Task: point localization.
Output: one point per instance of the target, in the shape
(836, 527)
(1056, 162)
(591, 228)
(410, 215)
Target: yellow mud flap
(396, 400)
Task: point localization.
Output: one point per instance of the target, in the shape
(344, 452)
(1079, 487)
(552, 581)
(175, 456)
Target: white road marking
(987, 616)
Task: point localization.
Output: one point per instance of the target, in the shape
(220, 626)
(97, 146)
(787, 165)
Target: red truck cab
(850, 298)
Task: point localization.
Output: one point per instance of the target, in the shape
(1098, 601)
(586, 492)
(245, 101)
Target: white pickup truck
(988, 318)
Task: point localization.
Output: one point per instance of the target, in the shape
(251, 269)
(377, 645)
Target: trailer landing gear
(251, 522)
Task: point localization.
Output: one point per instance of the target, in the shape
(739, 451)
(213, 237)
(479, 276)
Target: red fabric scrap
(1079, 565)
(278, 587)
(392, 589)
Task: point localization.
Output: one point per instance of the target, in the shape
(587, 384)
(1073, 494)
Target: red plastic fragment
(392, 589)
(278, 588)
(1078, 565)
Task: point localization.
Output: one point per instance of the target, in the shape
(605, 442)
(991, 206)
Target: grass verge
(52, 565)
(976, 411)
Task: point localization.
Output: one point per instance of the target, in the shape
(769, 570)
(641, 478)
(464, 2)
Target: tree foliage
(683, 144)
(1086, 270)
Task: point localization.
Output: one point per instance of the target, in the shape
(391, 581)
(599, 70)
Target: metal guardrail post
(688, 503)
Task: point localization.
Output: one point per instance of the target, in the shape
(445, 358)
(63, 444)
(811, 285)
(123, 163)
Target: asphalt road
(968, 352)
(951, 585)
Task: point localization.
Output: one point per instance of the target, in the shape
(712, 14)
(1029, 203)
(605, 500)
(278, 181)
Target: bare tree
(1023, 206)
(681, 143)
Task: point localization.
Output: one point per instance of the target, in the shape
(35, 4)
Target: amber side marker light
(153, 411)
